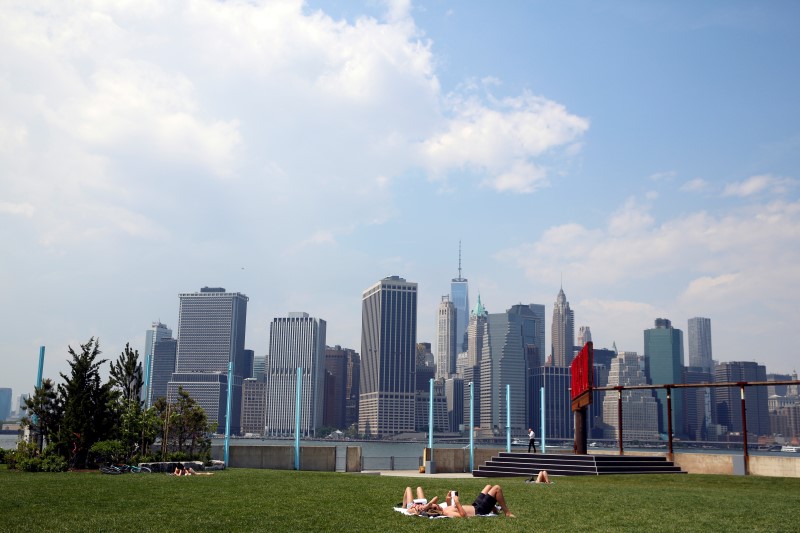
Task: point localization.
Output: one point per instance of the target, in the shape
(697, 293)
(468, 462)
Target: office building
(5, 404)
(338, 364)
(259, 366)
(697, 402)
(663, 359)
(156, 333)
(454, 396)
(426, 368)
(512, 343)
(459, 295)
(727, 400)
(254, 405)
(639, 407)
(584, 336)
(162, 366)
(297, 341)
(563, 332)
(699, 343)
(211, 335)
(353, 388)
(446, 351)
(557, 402)
(388, 358)
(477, 349)
(441, 423)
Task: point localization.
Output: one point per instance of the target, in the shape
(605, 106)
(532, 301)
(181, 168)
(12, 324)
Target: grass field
(267, 500)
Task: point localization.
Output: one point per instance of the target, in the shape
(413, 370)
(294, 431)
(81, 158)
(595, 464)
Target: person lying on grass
(484, 503)
(420, 504)
(541, 477)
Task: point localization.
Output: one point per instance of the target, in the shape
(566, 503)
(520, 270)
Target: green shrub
(2, 456)
(53, 463)
(108, 451)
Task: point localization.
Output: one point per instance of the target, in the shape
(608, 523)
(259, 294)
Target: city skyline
(646, 152)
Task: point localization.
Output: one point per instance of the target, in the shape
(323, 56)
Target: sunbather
(420, 504)
(483, 505)
(541, 477)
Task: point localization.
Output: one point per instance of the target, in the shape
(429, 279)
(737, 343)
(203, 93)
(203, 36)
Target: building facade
(156, 333)
(211, 335)
(162, 366)
(459, 295)
(388, 358)
(663, 359)
(254, 405)
(338, 365)
(446, 329)
(727, 400)
(563, 332)
(639, 407)
(296, 341)
(699, 343)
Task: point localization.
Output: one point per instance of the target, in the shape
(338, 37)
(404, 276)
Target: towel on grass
(405, 512)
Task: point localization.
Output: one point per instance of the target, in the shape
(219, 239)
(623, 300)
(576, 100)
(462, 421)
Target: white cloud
(662, 176)
(502, 137)
(757, 184)
(21, 209)
(695, 185)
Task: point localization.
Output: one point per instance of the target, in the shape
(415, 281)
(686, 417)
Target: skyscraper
(563, 331)
(446, 351)
(157, 332)
(338, 362)
(295, 342)
(388, 357)
(254, 405)
(699, 340)
(162, 366)
(727, 400)
(477, 349)
(639, 407)
(584, 336)
(663, 360)
(211, 334)
(5, 404)
(459, 294)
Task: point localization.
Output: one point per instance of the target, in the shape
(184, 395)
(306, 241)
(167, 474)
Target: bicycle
(110, 469)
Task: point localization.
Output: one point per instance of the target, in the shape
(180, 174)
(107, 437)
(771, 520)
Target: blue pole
(147, 362)
(541, 403)
(508, 418)
(471, 428)
(297, 419)
(228, 413)
(430, 423)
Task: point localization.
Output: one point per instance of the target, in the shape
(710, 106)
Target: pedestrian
(531, 440)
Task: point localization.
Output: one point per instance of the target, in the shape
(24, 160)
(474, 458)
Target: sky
(641, 155)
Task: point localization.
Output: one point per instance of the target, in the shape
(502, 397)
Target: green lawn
(268, 500)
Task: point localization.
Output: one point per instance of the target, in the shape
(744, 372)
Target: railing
(669, 387)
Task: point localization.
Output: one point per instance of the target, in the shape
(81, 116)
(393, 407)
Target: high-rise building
(338, 362)
(639, 407)
(563, 332)
(477, 349)
(423, 399)
(5, 404)
(426, 367)
(512, 343)
(446, 351)
(727, 400)
(259, 366)
(557, 401)
(459, 294)
(699, 342)
(584, 336)
(254, 405)
(162, 366)
(388, 358)
(157, 332)
(297, 341)
(663, 359)
(353, 390)
(454, 395)
(211, 334)
(697, 402)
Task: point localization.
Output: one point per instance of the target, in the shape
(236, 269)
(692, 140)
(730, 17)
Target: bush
(27, 458)
(108, 451)
(2, 456)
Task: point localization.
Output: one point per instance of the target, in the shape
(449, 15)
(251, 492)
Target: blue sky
(644, 152)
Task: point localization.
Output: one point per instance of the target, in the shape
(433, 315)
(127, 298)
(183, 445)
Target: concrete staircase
(529, 464)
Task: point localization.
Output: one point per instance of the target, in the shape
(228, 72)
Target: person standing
(531, 440)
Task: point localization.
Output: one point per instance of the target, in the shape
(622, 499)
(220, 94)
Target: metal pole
(619, 420)
(228, 413)
(147, 363)
(297, 419)
(508, 418)
(744, 432)
(669, 422)
(471, 427)
(541, 415)
(430, 429)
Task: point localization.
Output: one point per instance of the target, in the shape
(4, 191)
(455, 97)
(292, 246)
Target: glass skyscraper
(663, 361)
(699, 341)
(388, 357)
(459, 295)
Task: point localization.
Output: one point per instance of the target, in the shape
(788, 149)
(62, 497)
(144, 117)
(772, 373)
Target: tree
(88, 410)
(126, 375)
(45, 411)
(185, 424)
